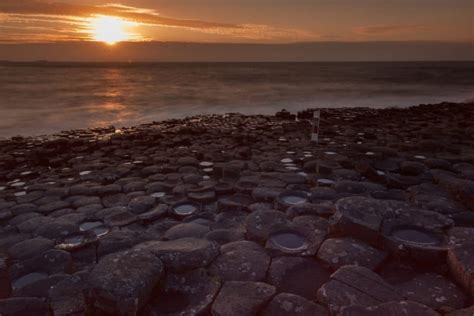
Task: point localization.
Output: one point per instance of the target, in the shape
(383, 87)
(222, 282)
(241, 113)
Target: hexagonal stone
(354, 285)
(355, 187)
(459, 235)
(296, 275)
(463, 312)
(183, 254)
(121, 283)
(17, 306)
(115, 200)
(66, 297)
(30, 248)
(242, 298)
(259, 223)
(466, 195)
(310, 209)
(403, 308)
(51, 261)
(241, 265)
(285, 304)
(362, 217)
(224, 236)
(141, 204)
(348, 251)
(186, 230)
(412, 168)
(5, 284)
(461, 264)
(188, 293)
(433, 290)
(35, 284)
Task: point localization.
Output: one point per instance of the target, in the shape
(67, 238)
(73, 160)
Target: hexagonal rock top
(354, 285)
(404, 308)
(362, 217)
(285, 304)
(241, 265)
(434, 291)
(121, 283)
(242, 298)
(183, 254)
(461, 264)
(340, 252)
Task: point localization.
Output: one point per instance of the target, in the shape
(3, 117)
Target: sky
(43, 26)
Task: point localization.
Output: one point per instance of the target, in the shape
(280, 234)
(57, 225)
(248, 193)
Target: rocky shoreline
(243, 215)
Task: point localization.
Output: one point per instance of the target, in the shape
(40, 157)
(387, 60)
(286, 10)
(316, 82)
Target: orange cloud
(18, 12)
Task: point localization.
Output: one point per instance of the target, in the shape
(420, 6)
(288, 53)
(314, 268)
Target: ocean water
(43, 98)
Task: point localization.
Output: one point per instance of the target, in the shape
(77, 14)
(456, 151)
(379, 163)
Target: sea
(40, 98)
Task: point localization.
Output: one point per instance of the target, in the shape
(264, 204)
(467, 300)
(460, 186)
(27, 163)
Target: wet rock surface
(243, 215)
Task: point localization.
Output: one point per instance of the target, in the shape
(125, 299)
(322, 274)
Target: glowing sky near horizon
(259, 21)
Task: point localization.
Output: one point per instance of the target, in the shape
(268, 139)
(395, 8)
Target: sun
(111, 29)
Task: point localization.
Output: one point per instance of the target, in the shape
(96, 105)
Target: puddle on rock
(185, 209)
(413, 235)
(293, 199)
(89, 225)
(28, 279)
(288, 240)
(158, 194)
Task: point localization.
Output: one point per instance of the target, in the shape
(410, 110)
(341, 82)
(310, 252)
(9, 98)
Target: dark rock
(30, 248)
(122, 283)
(66, 296)
(301, 276)
(285, 304)
(35, 284)
(403, 308)
(242, 298)
(310, 209)
(241, 265)
(347, 251)
(20, 306)
(354, 285)
(188, 293)
(259, 224)
(461, 264)
(223, 236)
(412, 168)
(434, 291)
(186, 230)
(141, 204)
(183, 254)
